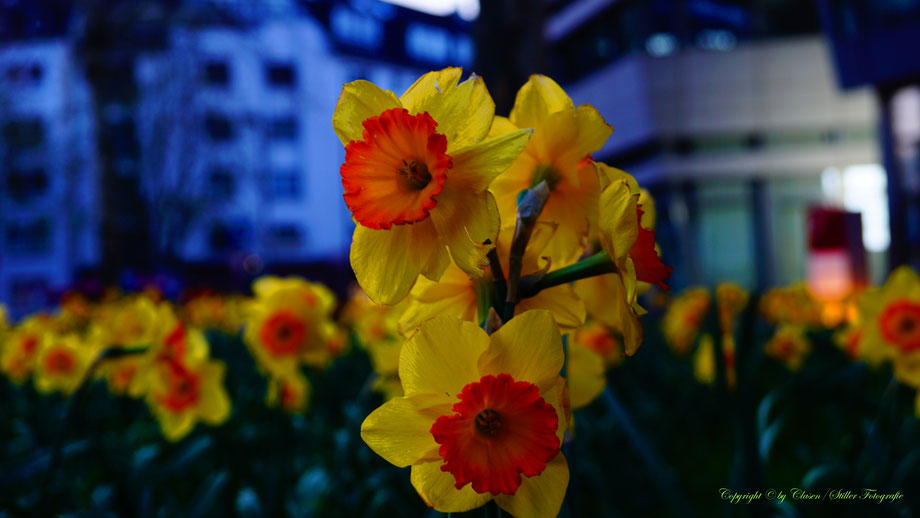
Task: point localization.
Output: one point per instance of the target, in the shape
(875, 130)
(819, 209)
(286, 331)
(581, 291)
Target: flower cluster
(470, 224)
(145, 347)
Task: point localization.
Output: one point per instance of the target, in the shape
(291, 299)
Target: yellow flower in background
(457, 295)
(416, 174)
(20, 348)
(730, 301)
(182, 393)
(791, 305)
(290, 393)
(135, 321)
(376, 327)
(122, 375)
(62, 363)
(502, 439)
(288, 324)
(891, 324)
(563, 135)
(790, 346)
(210, 310)
(684, 318)
(704, 360)
(584, 372)
(598, 338)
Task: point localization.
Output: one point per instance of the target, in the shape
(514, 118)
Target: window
(285, 128)
(225, 237)
(216, 73)
(26, 184)
(284, 185)
(28, 238)
(24, 133)
(24, 73)
(285, 235)
(221, 184)
(218, 127)
(281, 75)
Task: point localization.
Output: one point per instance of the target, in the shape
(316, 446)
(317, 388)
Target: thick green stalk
(597, 264)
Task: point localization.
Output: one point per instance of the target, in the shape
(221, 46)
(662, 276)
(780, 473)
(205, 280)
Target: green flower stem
(592, 266)
(484, 291)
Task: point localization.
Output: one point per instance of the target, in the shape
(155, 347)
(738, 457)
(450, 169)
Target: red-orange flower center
(283, 333)
(60, 361)
(501, 429)
(182, 387)
(392, 175)
(900, 324)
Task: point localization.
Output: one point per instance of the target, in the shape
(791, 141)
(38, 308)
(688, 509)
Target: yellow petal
(175, 425)
(464, 113)
(528, 347)
(426, 249)
(584, 370)
(541, 495)
(465, 221)
(214, 407)
(903, 282)
(607, 175)
(566, 307)
(441, 357)
(430, 85)
(907, 368)
(453, 295)
(358, 101)
(381, 263)
(500, 126)
(399, 430)
(539, 97)
(477, 165)
(618, 223)
(605, 298)
(437, 489)
(648, 209)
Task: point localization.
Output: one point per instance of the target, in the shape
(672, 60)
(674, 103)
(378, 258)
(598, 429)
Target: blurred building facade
(730, 113)
(209, 145)
(48, 200)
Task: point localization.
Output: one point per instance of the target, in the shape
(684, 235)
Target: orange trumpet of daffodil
(416, 174)
(482, 417)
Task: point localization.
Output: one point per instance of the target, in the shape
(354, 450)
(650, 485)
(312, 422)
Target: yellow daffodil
(563, 136)
(62, 363)
(291, 393)
(791, 305)
(612, 298)
(210, 310)
(458, 295)
(416, 174)
(684, 317)
(790, 346)
(891, 318)
(181, 393)
(502, 439)
(20, 348)
(288, 324)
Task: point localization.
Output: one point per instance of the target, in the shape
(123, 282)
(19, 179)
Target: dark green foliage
(833, 425)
